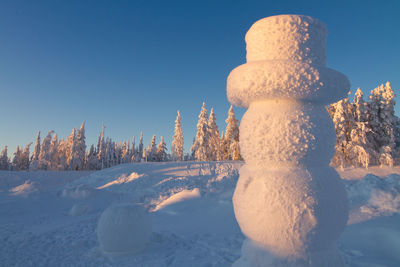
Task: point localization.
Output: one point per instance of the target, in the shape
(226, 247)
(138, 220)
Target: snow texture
(286, 59)
(124, 229)
(37, 229)
(290, 204)
(287, 37)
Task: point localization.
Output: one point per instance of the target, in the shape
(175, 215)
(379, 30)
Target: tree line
(71, 153)
(367, 133)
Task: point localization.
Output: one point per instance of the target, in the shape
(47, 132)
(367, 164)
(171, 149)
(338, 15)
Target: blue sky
(132, 64)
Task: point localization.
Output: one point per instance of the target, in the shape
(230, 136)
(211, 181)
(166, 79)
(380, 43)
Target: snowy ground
(50, 218)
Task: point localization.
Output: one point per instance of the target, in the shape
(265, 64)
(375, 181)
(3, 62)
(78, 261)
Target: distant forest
(367, 133)
(71, 153)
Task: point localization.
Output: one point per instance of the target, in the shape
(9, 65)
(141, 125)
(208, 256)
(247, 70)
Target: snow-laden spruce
(289, 203)
(177, 140)
(367, 133)
(199, 148)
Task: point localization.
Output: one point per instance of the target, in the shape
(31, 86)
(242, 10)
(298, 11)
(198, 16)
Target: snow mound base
(124, 178)
(24, 189)
(78, 192)
(178, 197)
(124, 229)
(79, 209)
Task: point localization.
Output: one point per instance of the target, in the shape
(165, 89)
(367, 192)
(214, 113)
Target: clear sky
(133, 64)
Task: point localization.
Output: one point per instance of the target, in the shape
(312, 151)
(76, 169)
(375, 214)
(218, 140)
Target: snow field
(37, 229)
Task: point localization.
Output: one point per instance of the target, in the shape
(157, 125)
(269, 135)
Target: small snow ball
(124, 229)
(79, 209)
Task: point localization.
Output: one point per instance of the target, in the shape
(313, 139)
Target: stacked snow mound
(290, 204)
(287, 37)
(124, 229)
(291, 136)
(286, 59)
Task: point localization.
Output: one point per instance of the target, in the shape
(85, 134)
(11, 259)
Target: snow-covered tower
(290, 204)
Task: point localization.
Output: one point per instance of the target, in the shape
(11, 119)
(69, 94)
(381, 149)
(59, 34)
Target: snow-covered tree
(44, 155)
(101, 148)
(199, 148)
(125, 152)
(214, 144)
(16, 162)
(80, 148)
(231, 139)
(140, 148)
(382, 122)
(62, 155)
(177, 140)
(4, 160)
(343, 120)
(151, 151)
(54, 154)
(34, 164)
(92, 162)
(360, 149)
(24, 160)
(161, 152)
(73, 159)
(134, 155)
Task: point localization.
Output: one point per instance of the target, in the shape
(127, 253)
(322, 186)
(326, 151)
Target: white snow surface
(197, 228)
(287, 37)
(124, 229)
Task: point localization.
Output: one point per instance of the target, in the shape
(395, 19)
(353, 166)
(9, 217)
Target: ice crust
(289, 203)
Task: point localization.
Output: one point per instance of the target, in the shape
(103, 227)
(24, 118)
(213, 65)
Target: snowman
(289, 203)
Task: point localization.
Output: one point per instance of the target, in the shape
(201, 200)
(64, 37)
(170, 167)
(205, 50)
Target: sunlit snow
(40, 227)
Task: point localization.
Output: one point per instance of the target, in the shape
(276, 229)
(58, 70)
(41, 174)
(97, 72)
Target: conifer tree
(177, 140)
(133, 151)
(54, 153)
(24, 160)
(382, 122)
(161, 154)
(151, 151)
(34, 164)
(231, 139)
(92, 162)
(16, 162)
(80, 148)
(361, 151)
(73, 160)
(342, 120)
(4, 160)
(101, 148)
(44, 155)
(140, 148)
(199, 148)
(125, 152)
(62, 155)
(214, 144)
